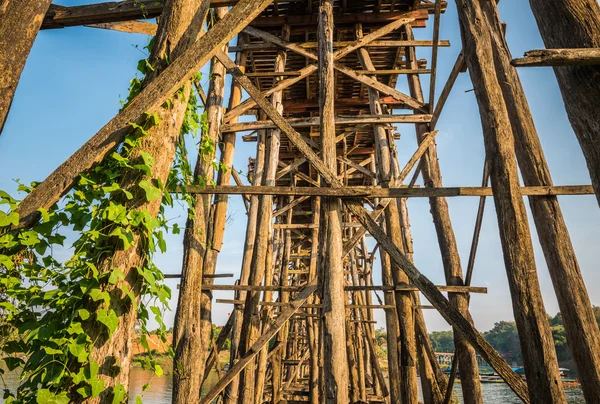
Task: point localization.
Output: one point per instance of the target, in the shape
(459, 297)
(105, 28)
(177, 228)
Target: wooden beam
(339, 120)
(397, 192)
(131, 27)
(406, 288)
(290, 310)
(20, 22)
(340, 44)
(559, 57)
(151, 97)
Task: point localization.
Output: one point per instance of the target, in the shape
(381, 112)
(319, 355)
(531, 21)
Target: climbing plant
(48, 305)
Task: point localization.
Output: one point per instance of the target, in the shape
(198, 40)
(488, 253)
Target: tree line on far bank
(505, 339)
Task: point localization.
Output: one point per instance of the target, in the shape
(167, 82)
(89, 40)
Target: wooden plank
(256, 347)
(339, 120)
(275, 288)
(399, 192)
(132, 27)
(151, 97)
(559, 57)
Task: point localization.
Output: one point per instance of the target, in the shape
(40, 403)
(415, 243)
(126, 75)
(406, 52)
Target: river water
(160, 389)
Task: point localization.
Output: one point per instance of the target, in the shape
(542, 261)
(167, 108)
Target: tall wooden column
(330, 267)
(194, 332)
(576, 24)
(432, 177)
(251, 323)
(231, 391)
(404, 301)
(20, 21)
(541, 367)
(583, 334)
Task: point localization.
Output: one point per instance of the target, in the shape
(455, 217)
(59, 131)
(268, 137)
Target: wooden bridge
(320, 79)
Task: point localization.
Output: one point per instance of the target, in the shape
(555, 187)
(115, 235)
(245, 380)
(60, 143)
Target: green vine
(49, 308)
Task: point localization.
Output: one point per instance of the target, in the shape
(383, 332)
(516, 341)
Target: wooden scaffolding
(320, 78)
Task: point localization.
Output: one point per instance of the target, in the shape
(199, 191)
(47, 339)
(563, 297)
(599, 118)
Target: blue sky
(75, 77)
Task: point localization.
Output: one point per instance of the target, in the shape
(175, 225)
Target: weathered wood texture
(582, 334)
(330, 264)
(537, 345)
(193, 321)
(432, 177)
(150, 99)
(397, 192)
(259, 343)
(576, 24)
(178, 31)
(559, 57)
(20, 21)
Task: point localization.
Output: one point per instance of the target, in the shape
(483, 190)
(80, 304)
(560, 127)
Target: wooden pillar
(405, 312)
(313, 331)
(193, 319)
(541, 367)
(576, 24)
(20, 21)
(250, 326)
(231, 392)
(583, 334)
(330, 263)
(432, 177)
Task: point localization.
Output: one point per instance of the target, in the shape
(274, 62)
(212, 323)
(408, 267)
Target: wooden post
(583, 335)
(20, 21)
(405, 312)
(432, 177)
(160, 144)
(231, 391)
(250, 326)
(537, 345)
(330, 264)
(314, 386)
(193, 320)
(576, 24)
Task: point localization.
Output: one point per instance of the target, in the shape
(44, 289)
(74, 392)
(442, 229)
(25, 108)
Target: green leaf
(115, 276)
(138, 400)
(12, 362)
(151, 191)
(97, 387)
(5, 261)
(29, 238)
(96, 294)
(162, 244)
(109, 319)
(118, 394)
(83, 314)
(78, 350)
(45, 396)
(125, 235)
(158, 370)
(7, 220)
(52, 351)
